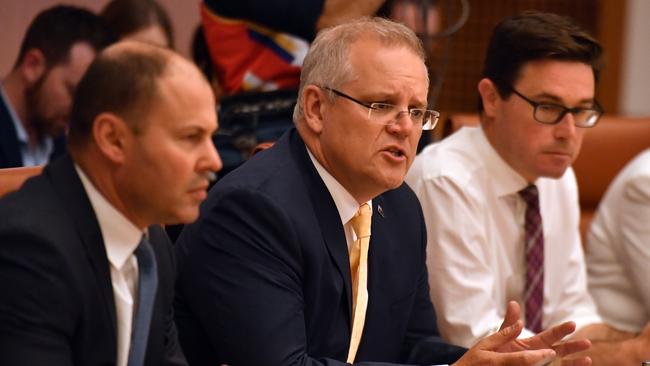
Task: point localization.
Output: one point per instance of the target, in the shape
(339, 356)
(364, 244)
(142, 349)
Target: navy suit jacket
(57, 305)
(264, 274)
(10, 155)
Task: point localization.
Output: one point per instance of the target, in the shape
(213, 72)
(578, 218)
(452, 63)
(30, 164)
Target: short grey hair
(327, 62)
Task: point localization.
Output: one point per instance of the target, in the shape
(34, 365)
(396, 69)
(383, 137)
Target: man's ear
(313, 107)
(33, 66)
(111, 135)
(489, 96)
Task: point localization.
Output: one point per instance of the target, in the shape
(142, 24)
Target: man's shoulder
(278, 170)
(402, 196)
(456, 158)
(29, 199)
(263, 174)
(37, 207)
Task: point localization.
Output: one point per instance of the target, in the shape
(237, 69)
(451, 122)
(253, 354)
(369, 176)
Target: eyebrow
(391, 96)
(559, 101)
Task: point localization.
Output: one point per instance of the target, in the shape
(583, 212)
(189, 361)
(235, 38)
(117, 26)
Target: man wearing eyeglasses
(501, 201)
(313, 252)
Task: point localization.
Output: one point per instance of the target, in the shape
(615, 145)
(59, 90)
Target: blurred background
(456, 50)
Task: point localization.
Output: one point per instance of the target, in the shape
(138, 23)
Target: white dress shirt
(618, 254)
(121, 238)
(475, 230)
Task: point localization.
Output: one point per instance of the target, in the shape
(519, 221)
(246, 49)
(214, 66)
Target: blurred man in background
(36, 96)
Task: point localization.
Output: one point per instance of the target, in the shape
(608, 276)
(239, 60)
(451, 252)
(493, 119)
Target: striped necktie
(534, 239)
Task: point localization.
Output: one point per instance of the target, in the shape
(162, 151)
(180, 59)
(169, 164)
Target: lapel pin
(380, 210)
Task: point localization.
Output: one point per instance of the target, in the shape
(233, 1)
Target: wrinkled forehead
(372, 58)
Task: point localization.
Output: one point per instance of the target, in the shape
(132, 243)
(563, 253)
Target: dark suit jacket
(57, 305)
(264, 274)
(10, 155)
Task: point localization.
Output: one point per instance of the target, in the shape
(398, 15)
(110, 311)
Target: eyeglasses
(551, 114)
(387, 114)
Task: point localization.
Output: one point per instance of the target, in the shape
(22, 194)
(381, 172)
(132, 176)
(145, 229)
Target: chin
(553, 173)
(186, 216)
(393, 183)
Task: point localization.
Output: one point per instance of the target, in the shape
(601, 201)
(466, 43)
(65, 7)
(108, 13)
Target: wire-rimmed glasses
(387, 113)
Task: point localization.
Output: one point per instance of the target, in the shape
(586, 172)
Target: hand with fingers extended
(504, 349)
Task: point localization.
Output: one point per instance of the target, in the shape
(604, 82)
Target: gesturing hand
(503, 347)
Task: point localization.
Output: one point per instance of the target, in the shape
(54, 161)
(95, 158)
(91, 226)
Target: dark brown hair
(55, 30)
(532, 36)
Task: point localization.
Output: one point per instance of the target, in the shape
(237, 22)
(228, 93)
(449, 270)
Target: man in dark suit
(86, 274)
(35, 97)
(273, 272)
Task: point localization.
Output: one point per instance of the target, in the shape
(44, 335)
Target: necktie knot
(144, 254)
(530, 195)
(361, 221)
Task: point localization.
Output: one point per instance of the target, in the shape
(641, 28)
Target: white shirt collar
(507, 180)
(345, 203)
(120, 235)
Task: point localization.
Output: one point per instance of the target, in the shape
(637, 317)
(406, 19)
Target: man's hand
(503, 347)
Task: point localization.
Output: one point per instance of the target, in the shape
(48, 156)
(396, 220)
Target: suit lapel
(378, 241)
(68, 185)
(326, 213)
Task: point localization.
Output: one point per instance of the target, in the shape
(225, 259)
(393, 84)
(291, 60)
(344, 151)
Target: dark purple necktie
(534, 239)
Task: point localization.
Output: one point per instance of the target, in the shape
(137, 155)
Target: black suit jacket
(57, 305)
(264, 274)
(10, 155)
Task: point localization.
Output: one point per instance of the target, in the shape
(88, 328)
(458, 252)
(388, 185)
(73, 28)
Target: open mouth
(396, 152)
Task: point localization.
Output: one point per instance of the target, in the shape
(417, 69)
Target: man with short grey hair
(313, 252)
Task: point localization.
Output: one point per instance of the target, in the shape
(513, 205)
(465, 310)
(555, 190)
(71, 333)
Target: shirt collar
(120, 236)
(345, 203)
(506, 180)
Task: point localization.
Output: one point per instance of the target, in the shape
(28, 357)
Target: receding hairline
(172, 61)
(331, 49)
(129, 47)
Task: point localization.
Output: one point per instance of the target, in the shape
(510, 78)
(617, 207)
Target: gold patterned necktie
(359, 271)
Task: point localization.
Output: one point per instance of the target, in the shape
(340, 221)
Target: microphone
(211, 176)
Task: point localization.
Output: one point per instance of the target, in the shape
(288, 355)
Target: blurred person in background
(36, 96)
(619, 249)
(139, 20)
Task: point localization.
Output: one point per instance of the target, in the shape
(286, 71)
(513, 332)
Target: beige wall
(15, 16)
(635, 91)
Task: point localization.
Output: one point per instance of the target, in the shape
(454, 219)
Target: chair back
(11, 179)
